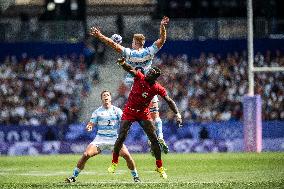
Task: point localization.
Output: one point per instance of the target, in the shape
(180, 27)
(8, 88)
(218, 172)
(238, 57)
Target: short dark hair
(105, 91)
(157, 70)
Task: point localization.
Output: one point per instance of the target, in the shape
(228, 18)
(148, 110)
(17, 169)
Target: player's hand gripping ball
(116, 38)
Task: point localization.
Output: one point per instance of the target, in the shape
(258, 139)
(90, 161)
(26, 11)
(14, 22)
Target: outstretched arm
(163, 34)
(126, 67)
(174, 108)
(108, 41)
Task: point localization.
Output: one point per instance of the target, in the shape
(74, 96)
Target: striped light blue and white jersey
(107, 121)
(141, 59)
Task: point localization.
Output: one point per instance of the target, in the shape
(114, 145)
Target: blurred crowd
(208, 88)
(42, 91)
(211, 87)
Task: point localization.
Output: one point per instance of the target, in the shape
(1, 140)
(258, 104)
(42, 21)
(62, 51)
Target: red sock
(115, 158)
(159, 163)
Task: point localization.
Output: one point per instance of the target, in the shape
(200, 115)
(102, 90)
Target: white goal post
(251, 102)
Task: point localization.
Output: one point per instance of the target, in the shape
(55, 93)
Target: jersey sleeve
(126, 52)
(94, 117)
(153, 49)
(161, 90)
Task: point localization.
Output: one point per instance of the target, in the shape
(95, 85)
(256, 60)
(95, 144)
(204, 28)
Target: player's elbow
(170, 101)
(117, 48)
(160, 42)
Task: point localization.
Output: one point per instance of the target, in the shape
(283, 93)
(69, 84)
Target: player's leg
(130, 163)
(154, 109)
(123, 131)
(90, 151)
(149, 129)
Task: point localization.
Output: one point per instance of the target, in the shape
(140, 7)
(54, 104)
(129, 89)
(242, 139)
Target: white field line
(58, 173)
(9, 172)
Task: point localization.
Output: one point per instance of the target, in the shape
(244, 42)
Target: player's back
(140, 59)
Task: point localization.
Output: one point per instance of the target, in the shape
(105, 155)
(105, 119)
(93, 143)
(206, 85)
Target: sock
(134, 173)
(76, 171)
(159, 127)
(159, 163)
(115, 158)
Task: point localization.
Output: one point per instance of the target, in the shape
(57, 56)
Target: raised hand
(95, 31)
(165, 20)
(179, 120)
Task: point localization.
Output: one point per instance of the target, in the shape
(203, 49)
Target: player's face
(151, 74)
(106, 97)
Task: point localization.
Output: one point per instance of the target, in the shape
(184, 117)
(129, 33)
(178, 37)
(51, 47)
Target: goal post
(252, 103)
(252, 123)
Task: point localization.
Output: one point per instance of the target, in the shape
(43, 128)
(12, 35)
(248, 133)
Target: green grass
(230, 170)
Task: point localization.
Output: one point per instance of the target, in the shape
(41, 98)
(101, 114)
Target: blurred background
(52, 71)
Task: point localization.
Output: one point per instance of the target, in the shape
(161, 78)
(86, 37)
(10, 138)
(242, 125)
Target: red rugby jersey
(142, 93)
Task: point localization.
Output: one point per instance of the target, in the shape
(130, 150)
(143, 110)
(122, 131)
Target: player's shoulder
(117, 110)
(115, 107)
(99, 109)
(161, 90)
(153, 46)
(127, 50)
(159, 85)
(95, 113)
(139, 75)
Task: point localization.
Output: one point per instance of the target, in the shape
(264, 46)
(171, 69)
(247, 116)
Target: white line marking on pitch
(58, 173)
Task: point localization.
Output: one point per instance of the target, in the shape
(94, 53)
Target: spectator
(42, 92)
(210, 88)
(203, 134)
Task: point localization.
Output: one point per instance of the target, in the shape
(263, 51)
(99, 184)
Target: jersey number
(145, 95)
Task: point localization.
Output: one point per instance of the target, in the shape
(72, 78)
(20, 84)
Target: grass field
(234, 170)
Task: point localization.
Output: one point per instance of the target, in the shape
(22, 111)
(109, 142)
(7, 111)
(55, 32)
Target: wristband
(120, 62)
(178, 115)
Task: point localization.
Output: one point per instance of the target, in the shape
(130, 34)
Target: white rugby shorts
(104, 143)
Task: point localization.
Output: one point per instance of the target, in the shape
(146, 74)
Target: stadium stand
(42, 91)
(204, 70)
(211, 87)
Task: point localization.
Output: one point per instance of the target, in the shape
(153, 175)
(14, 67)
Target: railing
(12, 29)
(5, 4)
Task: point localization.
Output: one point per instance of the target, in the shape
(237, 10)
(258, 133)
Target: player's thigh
(148, 127)
(92, 150)
(124, 127)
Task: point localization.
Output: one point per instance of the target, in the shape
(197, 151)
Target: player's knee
(127, 157)
(87, 155)
(154, 140)
(118, 145)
